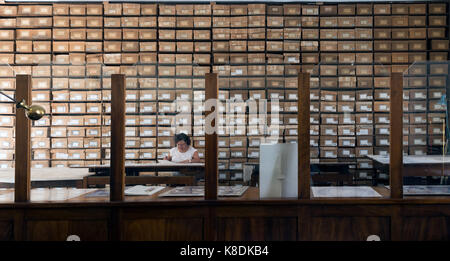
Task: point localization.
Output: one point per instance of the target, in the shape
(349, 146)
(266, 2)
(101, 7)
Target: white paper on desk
(141, 190)
(425, 159)
(424, 190)
(278, 170)
(345, 192)
(168, 162)
(199, 191)
(98, 193)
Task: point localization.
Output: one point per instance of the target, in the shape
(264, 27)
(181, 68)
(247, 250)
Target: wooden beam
(117, 185)
(396, 136)
(304, 175)
(211, 140)
(23, 141)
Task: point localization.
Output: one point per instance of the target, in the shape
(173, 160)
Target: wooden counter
(244, 218)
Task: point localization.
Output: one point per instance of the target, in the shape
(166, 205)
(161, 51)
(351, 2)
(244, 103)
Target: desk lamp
(33, 112)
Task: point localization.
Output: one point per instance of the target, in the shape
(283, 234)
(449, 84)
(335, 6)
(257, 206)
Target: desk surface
(73, 195)
(316, 162)
(47, 174)
(414, 160)
(160, 164)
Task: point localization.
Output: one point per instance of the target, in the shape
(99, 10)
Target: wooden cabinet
(425, 228)
(57, 224)
(348, 228)
(59, 230)
(6, 230)
(257, 229)
(256, 222)
(163, 223)
(231, 220)
(163, 229)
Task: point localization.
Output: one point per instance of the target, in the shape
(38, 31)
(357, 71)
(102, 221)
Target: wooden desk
(135, 169)
(419, 166)
(331, 171)
(415, 166)
(322, 172)
(136, 180)
(191, 171)
(48, 177)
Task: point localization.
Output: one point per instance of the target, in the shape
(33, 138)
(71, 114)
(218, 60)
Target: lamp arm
(7, 96)
(22, 104)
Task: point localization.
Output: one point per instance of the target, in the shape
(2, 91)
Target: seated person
(183, 152)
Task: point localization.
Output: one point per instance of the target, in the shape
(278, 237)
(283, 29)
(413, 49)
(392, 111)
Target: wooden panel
(355, 209)
(117, 137)
(211, 138)
(6, 231)
(157, 229)
(425, 228)
(43, 230)
(304, 175)
(23, 141)
(348, 228)
(257, 228)
(90, 230)
(182, 220)
(396, 136)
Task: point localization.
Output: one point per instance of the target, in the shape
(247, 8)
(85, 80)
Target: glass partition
(7, 131)
(7, 109)
(349, 125)
(69, 88)
(425, 129)
(75, 92)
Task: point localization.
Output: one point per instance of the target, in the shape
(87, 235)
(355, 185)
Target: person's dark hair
(184, 137)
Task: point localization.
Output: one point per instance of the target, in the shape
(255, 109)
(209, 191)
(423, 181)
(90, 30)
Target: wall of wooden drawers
(256, 48)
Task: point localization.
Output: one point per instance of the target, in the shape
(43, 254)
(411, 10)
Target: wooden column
(396, 136)
(304, 175)
(211, 150)
(23, 142)
(117, 179)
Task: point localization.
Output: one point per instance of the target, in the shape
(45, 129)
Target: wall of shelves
(72, 49)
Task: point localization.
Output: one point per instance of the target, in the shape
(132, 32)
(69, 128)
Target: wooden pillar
(304, 175)
(211, 140)
(23, 140)
(396, 136)
(117, 179)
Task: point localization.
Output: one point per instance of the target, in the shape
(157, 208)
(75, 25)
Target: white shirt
(178, 156)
